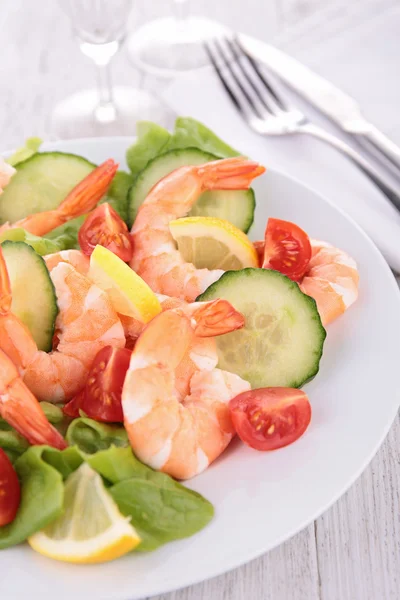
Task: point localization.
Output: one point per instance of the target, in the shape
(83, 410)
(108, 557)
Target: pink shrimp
(21, 410)
(86, 323)
(155, 256)
(176, 414)
(331, 279)
(82, 198)
(75, 258)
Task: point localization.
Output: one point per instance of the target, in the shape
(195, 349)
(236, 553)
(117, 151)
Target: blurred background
(42, 63)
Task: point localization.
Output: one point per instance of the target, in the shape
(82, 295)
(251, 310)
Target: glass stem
(105, 111)
(104, 83)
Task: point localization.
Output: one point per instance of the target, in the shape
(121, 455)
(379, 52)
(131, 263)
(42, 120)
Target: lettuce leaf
(189, 133)
(32, 145)
(161, 509)
(41, 245)
(117, 194)
(90, 436)
(42, 494)
(152, 140)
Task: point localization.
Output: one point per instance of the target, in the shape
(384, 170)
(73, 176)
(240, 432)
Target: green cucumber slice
(282, 341)
(236, 206)
(34, 299)
(41, 183)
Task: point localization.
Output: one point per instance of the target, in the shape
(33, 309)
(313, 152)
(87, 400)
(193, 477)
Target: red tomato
(71, 409)
(10, 490)
(270, 418)
(287, 249)
(102, 397)
(104, 226)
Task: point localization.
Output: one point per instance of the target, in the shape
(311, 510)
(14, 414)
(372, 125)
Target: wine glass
(100, 27)
(169, 46)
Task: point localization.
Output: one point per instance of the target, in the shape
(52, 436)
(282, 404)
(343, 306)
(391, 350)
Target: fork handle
(368, 170)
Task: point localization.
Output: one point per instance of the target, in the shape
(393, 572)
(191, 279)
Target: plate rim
(158, 587)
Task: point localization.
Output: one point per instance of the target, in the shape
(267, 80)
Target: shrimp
(86, 323)
(76, 258)
(82, 198)
(6, 172)
(21, 410)
(156, 258)
(331, 279)
(180, 429)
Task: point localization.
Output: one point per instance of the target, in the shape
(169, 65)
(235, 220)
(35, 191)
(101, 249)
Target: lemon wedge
(91, 529)
(129, 294)
(212, 243)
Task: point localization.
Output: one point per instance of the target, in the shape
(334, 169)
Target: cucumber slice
(34, 299)
(282, 341)
(236, 206)
(41, 183)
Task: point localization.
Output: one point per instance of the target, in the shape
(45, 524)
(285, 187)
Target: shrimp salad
(140, 331)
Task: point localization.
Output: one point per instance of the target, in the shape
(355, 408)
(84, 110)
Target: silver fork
(265, 111)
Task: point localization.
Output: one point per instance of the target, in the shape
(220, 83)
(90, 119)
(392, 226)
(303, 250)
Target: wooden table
(352, 552)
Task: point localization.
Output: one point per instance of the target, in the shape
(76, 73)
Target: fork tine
(221, 76)
(278, 99)
(238, 54)
(236, 78)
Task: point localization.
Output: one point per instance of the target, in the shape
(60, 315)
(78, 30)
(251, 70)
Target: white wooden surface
(352, 552)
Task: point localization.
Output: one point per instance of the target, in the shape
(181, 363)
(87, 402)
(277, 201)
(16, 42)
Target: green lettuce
(68, 231)
(152, 140)
(32, 145)
(42, 493)
(117, 194)
(90, 436)
(41, 245)
(189, 133)
(161, 509)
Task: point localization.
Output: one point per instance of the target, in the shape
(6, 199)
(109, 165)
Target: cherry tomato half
(287, 249)
(71, 409)
(270, 418)
(10, 490)
(104, 226)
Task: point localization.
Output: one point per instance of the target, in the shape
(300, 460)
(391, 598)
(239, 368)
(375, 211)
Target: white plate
(261, 499)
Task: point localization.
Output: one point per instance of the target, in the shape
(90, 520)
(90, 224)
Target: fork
(267, 113)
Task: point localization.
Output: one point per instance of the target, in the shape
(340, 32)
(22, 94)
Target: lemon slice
(91, 529)
(129, 294)
(213, 243)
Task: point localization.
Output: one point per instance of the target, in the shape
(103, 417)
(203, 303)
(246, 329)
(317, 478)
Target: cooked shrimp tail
(230, 174)
(21, 410)
(214, 318)
(83, 198)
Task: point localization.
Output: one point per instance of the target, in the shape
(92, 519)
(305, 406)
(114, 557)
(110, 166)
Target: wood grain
(352, 552)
